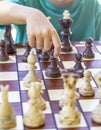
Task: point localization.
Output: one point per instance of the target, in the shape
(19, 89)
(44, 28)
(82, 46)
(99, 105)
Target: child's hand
(41, 33)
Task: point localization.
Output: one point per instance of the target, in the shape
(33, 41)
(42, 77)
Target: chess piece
(53, 70)
(41, 102)
(10, 48)
(7, 117)
(78, 64)
(69, 114)
(38, 50)
(34, 117)
(96, 114)
(44, 56)
(28, 48)
(31, 76)
(3, 54)
(86, 88)
(66, 23)
(67, 75)
(88, 53)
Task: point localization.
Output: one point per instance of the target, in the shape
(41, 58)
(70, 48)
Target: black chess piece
(53, 70)
(10, 48)
(66, 32)
(44, 56)
(78, 68)
(3, 54)
(69, 72)
(25, 55)
(38, 50)
(88, 53)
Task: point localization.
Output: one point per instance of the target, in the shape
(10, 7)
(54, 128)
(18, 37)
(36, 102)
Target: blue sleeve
(2, 26)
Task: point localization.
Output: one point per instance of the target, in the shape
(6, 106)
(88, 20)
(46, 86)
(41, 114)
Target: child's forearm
(14, 13)
(11, 13)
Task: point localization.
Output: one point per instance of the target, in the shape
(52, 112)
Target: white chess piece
(41, 102)
(66, 14)
(31, 76)
(96, 114)
(69, 114)
(86, 88)
(34, 117)
(7, 117)
(68, 91)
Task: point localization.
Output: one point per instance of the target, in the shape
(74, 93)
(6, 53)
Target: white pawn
(7, 117)
(86, 88)
(96, 114)
(34, 118)
(31, 76)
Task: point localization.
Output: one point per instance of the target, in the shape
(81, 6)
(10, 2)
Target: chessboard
(14, 70)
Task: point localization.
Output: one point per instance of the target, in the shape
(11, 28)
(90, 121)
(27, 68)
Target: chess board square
(4, 76)
(52, 84)
(74, 50)
(24, 66)
(20, 51)
(22, 74)
(88, 105)
(80, 44)
(70, 64)
(93, 64)
(14, 94)
(95, 128)
(12, 59)
(25, 88)
(8, 67)
(14, 85)
(81, 124)
(19, 122)
(55, 95)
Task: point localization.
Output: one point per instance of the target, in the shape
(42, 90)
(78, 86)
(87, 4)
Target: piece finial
(66, 14)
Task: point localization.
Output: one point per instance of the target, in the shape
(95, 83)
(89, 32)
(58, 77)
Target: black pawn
(10, 48)
(38, 50)
(88, 53)
(78, 68)
(53, 70)
(25, 55)
(44, 56)
(66, 43)
(3, 54)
